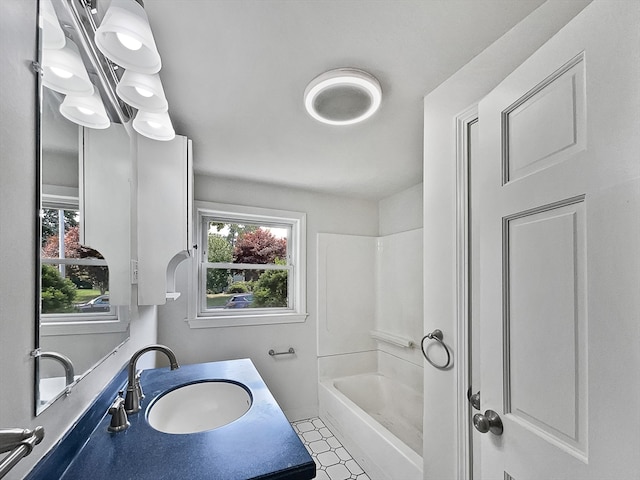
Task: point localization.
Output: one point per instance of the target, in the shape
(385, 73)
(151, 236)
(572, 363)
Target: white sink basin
(197, 407)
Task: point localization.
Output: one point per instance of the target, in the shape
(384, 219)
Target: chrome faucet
(65, 362)
(134, 390)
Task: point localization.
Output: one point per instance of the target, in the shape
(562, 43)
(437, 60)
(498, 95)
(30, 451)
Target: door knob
(489, 422)
(474, 399)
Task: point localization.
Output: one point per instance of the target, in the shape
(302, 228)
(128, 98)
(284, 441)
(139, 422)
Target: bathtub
(378, 420)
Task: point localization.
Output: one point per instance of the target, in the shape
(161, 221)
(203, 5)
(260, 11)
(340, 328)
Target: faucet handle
(119, 420)
(138, 385)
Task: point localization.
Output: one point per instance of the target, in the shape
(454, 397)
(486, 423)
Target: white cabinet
(164, 202)
(105, 203)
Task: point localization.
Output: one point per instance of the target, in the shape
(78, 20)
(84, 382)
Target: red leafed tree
(259, 246)
(72, 246)
(97, 276)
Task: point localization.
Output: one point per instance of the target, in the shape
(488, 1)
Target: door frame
(463, 299)
(442, 452)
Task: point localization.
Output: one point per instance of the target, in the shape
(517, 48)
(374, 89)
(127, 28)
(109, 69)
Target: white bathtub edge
(385, 455)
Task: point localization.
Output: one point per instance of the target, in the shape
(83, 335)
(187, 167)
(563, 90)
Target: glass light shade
(125, 37)
(343, 96)
(142, 91)
(52, 34)
(87, 111)
(156, 126)
(71, 77)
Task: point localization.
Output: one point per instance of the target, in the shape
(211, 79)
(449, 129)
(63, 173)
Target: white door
(558, 208)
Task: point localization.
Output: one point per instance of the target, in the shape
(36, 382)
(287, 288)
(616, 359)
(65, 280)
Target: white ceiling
(234, 72)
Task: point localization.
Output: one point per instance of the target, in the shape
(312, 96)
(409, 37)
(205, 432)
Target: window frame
(295, 312)
(52, 324)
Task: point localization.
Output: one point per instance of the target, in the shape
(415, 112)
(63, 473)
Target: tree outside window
(72, 274)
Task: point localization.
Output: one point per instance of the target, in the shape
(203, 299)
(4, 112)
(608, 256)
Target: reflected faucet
(65, 362)
(134, 390)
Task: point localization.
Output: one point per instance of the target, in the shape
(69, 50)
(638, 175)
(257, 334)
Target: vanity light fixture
(343, 96)
(64, 71)
(156, 126)
(142, 91)
(87, 111)
(52, 34)
(125, 37)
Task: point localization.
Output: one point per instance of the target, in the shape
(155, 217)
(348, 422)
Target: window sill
(86, 325)
(83, 328)
(246, 320)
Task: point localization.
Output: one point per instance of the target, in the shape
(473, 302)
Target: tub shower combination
(373, 402)
(361, 411)
(370, 364)
(376, 413)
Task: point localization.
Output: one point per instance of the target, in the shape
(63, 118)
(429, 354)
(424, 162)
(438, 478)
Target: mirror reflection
(78, 325)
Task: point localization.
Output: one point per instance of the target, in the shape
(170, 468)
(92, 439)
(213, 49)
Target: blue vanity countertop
(260, 444)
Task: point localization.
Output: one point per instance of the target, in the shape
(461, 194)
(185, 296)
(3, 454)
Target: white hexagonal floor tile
(333, 462)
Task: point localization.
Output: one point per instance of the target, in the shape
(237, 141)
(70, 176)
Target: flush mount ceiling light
(343, 96)
(125, 37)
(64, 72)
(87, 111)
(142, 91)
(156, 126)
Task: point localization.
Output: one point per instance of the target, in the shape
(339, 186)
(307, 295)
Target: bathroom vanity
(259, 444)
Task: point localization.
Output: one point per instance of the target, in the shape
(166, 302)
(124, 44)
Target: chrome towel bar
(20, 442)
(273, 353)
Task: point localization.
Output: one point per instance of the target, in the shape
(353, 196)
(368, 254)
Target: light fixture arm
(103, 68)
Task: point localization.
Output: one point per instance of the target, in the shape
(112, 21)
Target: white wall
(17, 212)
(462, 90)
(373, 283)
(399, 292)
(18, 243)
(400, 285)
(401, 212)
(346, 277)
(292, 379)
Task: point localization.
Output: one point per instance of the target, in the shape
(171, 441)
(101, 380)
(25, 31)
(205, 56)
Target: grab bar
(20, 442)
(398, 340)
(273, 353)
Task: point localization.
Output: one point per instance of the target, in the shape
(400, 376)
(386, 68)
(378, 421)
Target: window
(249, 266)
(74, 282)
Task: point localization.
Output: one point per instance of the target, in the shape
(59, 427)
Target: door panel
(558, 207)
(544, 332)
(547, 124)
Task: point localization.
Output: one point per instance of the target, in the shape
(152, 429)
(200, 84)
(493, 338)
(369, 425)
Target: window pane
(74, 289)
(51, 221)
(250, 288)
(246, 243)
(51, 245)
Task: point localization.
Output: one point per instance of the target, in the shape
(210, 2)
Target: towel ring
(437, 336)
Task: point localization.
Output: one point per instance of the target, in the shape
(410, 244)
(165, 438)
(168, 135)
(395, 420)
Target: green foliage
(270, 289)
(218, 250)
(57, 293)
(234, 230)
(239, 287)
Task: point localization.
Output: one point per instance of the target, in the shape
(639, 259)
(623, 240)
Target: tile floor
(333, 462)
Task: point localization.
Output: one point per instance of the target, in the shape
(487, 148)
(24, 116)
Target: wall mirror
(85, 202)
